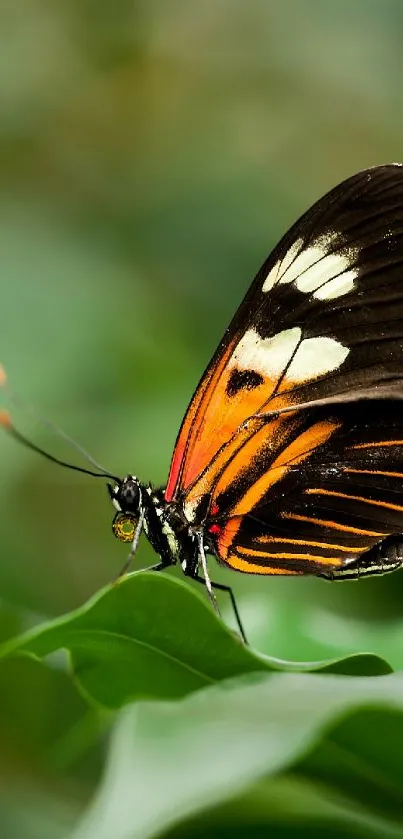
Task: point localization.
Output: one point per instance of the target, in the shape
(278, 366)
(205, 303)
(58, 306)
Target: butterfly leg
(221, 587)
(159, 566)
(210, 586)
(383, 558)
(206, 575)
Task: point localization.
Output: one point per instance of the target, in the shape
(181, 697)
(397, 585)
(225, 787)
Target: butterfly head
(126, 496)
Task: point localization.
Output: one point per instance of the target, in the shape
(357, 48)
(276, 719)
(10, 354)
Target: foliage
(118, 654)
(232, 737)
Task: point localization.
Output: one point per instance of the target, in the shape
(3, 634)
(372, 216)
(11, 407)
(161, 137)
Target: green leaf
(43, 718)
(171, 761)
(289, 805)
(362, 754)
(153, 636)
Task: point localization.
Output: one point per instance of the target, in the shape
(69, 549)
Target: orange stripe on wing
(348, 497)
(294, 453)
(373, 445)
(305, 542)
(190, 431)
(325, 560)
(234, 454)
(250, 448)
(372, 472)
(227, 536)
(333, 525)
(213, 419)
(226, 454)
(247, 567)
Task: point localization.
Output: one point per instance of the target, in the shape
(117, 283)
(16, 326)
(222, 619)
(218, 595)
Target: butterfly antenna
(8, 425)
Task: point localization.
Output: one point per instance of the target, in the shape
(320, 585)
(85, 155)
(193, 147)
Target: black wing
(323, 317)
(318, 510)
(311, 488)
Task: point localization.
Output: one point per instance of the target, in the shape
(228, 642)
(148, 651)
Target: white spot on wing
(314, 269)
(268, 356)
(307, 359)
(316, 357)
(281, 266)
(337, 286)
(301, 266)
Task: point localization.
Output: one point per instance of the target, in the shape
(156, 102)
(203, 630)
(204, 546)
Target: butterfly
(289, 460)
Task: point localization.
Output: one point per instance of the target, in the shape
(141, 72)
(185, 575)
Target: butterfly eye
(124, 527)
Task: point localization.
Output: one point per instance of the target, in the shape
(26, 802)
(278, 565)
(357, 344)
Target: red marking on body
(215, 529)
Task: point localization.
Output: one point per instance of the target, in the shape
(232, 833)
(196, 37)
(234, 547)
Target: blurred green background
(151, 155)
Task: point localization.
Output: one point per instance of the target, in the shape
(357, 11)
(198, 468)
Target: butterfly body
(172, 537)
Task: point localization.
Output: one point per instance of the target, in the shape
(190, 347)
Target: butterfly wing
(322, 321)
(314, 508)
